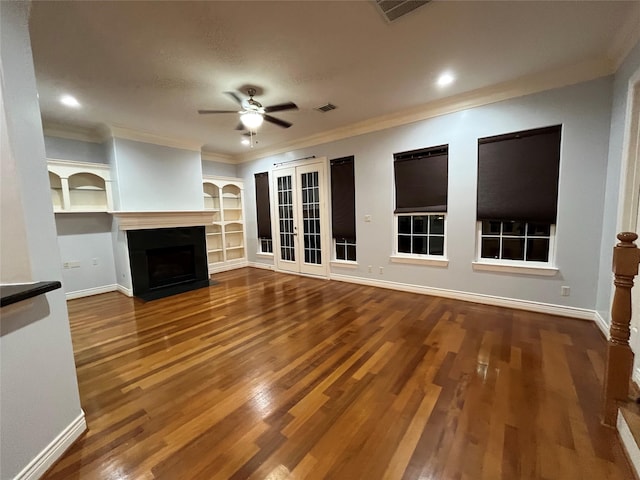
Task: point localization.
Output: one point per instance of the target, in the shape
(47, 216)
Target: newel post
(619, 355)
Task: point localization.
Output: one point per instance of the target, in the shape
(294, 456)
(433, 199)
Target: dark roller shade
(343, 198)
(421, 180)
(262, 205)
(518, 176)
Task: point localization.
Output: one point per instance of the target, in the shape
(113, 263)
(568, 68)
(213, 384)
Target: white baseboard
(264, 266)
(124, 290)
(87, 292)
(223, 267)
(47, 457)
(602, 324)
(562, 310)
(629, 443)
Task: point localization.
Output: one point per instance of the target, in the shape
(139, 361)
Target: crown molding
(577, 73)
(626, 38)
(146, 137)
(58, 130)
(218, 157)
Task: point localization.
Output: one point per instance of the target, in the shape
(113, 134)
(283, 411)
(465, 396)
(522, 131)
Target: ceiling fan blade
(217, 111)
(240, 126)
(281, 107)
(277, 121)
(235, 96)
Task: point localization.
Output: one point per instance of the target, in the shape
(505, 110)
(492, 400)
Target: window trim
(335, 259)
(547, 268)
(260, 252)
(424, 259)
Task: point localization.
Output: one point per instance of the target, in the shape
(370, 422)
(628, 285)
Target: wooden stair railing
(626, 257)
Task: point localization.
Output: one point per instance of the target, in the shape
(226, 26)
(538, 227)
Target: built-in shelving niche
(226, 235)
(79, 186)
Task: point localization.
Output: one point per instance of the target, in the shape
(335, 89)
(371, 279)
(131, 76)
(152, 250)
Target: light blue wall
(154, 177)
(67, 149)
(609, 224)
(219, 169)
(83, 237)
(584, 112)
(39, 398)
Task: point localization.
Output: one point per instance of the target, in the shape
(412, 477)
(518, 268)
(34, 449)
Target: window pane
(513, 248)
(538, 229)
(490, 248)
(351, 253)
(404, 224)
(513, 228)
(340, 252)
(404, 244)
(436, 245)
(420, 245)
(490, 227)
(538, 249)
(420, 223)
(436, 224)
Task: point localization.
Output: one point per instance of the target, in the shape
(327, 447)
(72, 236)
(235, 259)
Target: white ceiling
(149, 66)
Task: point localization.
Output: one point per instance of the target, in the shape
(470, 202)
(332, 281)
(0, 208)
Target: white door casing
(629, 206)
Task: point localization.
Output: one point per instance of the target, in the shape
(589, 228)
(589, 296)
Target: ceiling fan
(253, 113)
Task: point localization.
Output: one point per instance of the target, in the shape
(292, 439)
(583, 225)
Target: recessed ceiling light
(445, 79)
(245, 141)
(69, 101)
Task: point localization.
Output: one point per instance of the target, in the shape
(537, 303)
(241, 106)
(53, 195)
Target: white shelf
(80, 187)
(225, 197)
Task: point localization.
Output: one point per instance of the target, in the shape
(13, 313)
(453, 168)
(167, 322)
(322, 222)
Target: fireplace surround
(167, 261)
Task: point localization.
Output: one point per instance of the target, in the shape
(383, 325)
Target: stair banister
(619, 366)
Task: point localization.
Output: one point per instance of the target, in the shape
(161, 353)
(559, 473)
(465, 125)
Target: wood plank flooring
(271, 376)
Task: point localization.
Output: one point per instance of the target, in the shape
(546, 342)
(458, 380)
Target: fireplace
(167, 261)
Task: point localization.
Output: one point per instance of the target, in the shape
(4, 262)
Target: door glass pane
(285, 212)
(311, 217)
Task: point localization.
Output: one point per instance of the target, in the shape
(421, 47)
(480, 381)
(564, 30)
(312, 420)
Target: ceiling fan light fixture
(251, 120)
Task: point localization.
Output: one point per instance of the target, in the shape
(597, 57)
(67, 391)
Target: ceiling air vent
(326, 108)
(394, 9)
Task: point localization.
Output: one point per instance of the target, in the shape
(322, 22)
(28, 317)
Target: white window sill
(344, 264)
(264, 255)
(415, 260)
(517, 269)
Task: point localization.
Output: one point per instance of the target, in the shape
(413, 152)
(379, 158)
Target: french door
(301, 241)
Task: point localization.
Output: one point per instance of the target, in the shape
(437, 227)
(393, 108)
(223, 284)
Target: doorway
(629, 219)
(301, 218)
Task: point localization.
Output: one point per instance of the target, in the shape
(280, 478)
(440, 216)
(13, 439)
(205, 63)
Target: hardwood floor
(273, 376)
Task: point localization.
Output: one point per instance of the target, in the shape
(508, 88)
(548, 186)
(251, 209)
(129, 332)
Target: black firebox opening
(167, 261)
(170, 265)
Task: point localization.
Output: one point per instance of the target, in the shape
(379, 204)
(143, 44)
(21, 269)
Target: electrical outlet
(381, 270)
(94, 262)
(66, 265)
(367, 218)
(370, 268)
(565, 291)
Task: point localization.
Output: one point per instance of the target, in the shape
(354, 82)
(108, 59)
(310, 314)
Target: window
(421, 178)
(518, 196)
(343, 209)
(421, 234)
(514, 240)
(263, 213)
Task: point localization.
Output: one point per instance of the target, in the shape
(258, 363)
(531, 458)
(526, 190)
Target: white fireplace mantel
(162, 219)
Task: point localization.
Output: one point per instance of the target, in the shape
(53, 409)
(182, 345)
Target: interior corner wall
(39, 398)
(83, 238)
(219, 169)
(610, 226)
(583, 110)
(76, 150)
